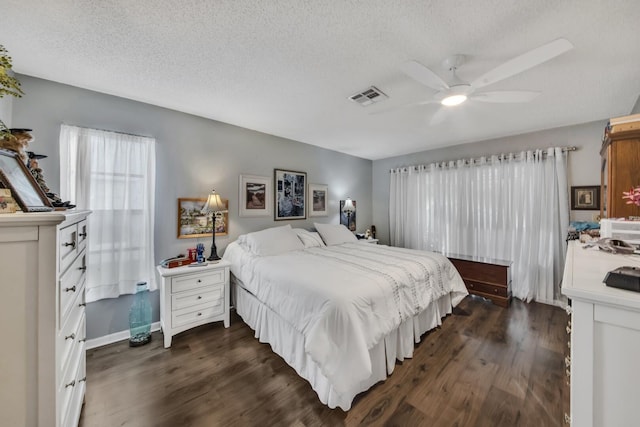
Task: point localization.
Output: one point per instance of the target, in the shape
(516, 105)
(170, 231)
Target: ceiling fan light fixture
(452, 100)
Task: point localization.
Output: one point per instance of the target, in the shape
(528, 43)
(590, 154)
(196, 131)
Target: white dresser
(42, 318)
(193, 295)
(605, 340)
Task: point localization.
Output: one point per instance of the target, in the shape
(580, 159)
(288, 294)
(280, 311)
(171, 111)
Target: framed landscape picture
(193, 223)
(585, 198)
(290, 195)
(255, 196)
(318, 198)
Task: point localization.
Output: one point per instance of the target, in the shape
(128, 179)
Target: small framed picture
(193, 223)
(585, 198)
(15, 176)
(318, 198)
(255, 196)
(290, 195)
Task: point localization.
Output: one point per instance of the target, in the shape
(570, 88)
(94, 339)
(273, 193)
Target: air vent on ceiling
(369, 96)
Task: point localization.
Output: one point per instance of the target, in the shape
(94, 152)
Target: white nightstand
(192, 296)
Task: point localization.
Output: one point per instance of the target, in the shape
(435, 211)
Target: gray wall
(6, 104)
(583, 165)
(636, 108)
(193, 155)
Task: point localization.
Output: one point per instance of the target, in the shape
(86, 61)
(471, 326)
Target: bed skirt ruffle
(288, 343)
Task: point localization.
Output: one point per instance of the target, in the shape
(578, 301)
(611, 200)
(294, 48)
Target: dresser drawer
(67, 246)
(71, 284)
(486, 288)
(82, 235)
(71, 335)
(197, 296)
(72, 382)
(198, 280)
(196, 313)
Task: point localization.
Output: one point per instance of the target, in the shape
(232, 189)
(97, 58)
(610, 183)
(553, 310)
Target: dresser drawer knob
(72, 244)
(83, 268)
(83, 235)
(82, 304)
(199, 314)
(70, 337)
(199, 296)
(71, 289)
(71, 384)
(82, 340)
(82, 379)
(199, 281)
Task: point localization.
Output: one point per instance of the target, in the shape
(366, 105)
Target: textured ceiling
(287, 67)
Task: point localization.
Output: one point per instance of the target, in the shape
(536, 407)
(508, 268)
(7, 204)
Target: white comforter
(345, 298)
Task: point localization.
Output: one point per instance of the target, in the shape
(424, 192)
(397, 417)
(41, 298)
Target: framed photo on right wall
(585, 198)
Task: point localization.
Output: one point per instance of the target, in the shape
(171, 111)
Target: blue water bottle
(200, 252)
(140, 317)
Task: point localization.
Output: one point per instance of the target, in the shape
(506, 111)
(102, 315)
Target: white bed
(340, 315)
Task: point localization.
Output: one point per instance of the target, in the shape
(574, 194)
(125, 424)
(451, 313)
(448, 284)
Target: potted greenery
(9, 85)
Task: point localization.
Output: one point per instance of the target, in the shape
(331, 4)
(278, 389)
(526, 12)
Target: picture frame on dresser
(254, 196)
(192, 223)
(585, 198)
(15, 176)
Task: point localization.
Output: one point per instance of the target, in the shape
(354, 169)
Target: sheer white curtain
(513, 208)
(113, 175)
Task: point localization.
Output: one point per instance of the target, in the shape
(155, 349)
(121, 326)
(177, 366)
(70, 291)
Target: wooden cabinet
(193, 295)
(620, 171)
(605, 340)
(42, 318)
(485, 277)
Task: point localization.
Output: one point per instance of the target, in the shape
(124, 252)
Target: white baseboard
(115, 337)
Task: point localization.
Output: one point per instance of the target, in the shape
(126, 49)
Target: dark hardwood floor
(485, 366)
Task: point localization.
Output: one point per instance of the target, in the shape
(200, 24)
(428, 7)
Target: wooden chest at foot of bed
(485, 277)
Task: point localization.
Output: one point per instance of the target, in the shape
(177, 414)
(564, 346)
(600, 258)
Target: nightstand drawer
(195, 281)
(196, 313)
(197, 296)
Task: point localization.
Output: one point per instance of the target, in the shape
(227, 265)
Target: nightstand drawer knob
(71, 289)
(199, 281)
(495, 290)
(71, 384)
(199, 314)
(82, 379)
(199, 296)
(70, 337)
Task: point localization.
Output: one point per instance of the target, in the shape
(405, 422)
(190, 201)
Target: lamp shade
(214, 203)
(348, 206)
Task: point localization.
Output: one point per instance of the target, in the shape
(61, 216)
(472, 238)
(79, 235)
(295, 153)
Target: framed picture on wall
(193, 223)
(348, 221)
(318, 199)
(290, 195)
(585, 198)
(255, 196)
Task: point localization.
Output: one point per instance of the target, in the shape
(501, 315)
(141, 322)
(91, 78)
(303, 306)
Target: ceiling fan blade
(423, 75)
(405, 106)
(439, 116)
(505, 96)
(523, 62)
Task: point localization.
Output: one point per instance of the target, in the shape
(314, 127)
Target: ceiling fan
(457, 91)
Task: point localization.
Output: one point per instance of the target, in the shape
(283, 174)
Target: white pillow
(309, 239)
(333, 234)
(273, 241)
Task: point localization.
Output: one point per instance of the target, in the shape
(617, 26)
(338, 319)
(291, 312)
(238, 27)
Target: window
(113, 175)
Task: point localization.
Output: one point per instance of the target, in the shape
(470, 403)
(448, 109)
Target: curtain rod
(474, 160)
(109, 130)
